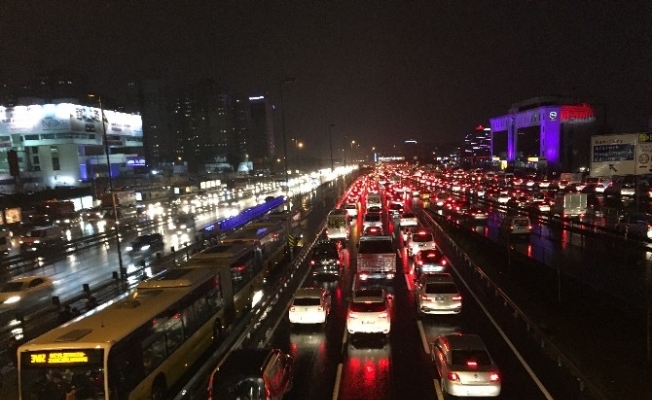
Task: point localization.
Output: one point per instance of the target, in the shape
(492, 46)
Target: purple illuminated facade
(544, 136)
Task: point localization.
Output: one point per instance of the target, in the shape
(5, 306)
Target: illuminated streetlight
(285, 142)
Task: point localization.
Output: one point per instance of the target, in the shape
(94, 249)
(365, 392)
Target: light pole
(298, 145)
(346, 137)
(285, 142)
(351, 155)
(113, 199)
(330, 142)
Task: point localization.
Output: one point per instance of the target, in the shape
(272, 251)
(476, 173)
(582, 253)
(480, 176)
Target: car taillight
(425, 297)
(443, 262)
(457, 297)
(420, 262)
(337, 262)
(472, 364)
(382, 315)
(494, 377)
(353, 315)
(293, 308)
(312, 262)
(452, 376)
(364, 277)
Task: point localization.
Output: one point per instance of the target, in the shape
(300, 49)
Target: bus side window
(173, 333)
(154, 351)
(202, 310)
(189, 320)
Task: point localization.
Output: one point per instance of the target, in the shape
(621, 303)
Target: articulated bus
(270, 236)
(139, 345)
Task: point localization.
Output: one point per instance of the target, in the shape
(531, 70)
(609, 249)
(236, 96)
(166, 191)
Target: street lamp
(285, 142)
(298, 145)
(113, 199)
(330, 142)
(351, 155)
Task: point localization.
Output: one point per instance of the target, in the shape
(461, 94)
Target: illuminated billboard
(66, 117)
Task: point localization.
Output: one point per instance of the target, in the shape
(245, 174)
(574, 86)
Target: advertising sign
(613, 155)
(66, 117)
(13, 215)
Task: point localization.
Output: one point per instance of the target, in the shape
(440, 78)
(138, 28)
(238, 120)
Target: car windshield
(463, 357)
(446, 288)
(372, 306)
(10, 287)
(306, 301)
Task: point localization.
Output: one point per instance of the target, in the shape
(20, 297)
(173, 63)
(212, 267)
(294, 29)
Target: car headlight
(12, 300)
(37, 241)
(129, 248)
(145, 247)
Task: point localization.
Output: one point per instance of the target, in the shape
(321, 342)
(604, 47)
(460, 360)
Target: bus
(295, 223)
(270, 236)
(141, 344)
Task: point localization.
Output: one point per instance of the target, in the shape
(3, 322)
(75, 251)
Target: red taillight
(312, 262)
(337, 262)
(472, 364)
(364, 277)
(420, 262)
(425, 297)
(443, 262)
(457, 297)
(452, 376)
(494, 377)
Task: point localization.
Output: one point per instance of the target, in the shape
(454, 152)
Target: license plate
(368, 322)
(439, 298)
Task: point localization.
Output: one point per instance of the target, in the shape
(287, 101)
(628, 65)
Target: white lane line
(338, 378)
(424, 341)
(440, 394)
(509, 342)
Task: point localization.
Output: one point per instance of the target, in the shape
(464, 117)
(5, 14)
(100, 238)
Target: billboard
(613, 155)
(66, 117)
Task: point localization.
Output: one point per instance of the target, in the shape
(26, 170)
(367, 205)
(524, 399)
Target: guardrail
(462, 259)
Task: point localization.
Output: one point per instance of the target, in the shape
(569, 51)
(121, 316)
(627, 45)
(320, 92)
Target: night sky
(381, 71)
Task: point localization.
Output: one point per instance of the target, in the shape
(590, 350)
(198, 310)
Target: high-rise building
(261, 146)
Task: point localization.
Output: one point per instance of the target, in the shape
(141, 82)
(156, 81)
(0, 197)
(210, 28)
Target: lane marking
(518, 355)
(338, 378)
(438, 391)
(424, 340)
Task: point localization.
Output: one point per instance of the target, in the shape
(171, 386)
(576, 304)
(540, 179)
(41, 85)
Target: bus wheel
(217, 332)
(159, 388)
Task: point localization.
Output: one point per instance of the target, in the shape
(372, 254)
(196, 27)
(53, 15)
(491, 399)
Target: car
(310, 306)
(635, 225)
(372, 219)
(369, 312)
(325, 258)
(42, 238)
(477, 213)
(408, 219)
(465, 366)
(26, 293)
(429, 261)
(351, 209)
(395, 209)
(420, 240)
(374, 209)
(437, 294)
(252, 374)
(518, 225)
(145, 243)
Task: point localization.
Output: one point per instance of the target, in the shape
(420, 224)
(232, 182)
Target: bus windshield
(63, 374)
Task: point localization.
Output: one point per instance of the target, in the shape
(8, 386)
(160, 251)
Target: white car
(372, 219)
(408, 219)
(369, 312)
(310, 306)
(437, 294)
(422, 239)
(351, 209)
(26, 292)
(465, 366)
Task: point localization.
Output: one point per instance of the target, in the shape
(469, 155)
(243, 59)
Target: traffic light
(12, 159)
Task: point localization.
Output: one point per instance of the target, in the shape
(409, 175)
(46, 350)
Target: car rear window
(10, 287)
(441, 288)
(373, 306)
(463, 357)
(325, 253)
(422, 237)
(372, 217)
(521, 222)
(306, 301)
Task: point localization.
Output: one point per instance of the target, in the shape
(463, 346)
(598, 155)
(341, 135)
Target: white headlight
(12, 300)
(145, 247)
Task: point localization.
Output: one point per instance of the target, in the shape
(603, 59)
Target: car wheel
(159, 389)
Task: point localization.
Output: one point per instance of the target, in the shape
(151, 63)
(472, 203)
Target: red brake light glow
(472, 364)
(452, 376)
(494, 377)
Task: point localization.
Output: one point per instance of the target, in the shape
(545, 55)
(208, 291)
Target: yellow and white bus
(140, 344)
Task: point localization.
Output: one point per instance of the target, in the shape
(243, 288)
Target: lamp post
(285, 142)
(113, 199)
(352, 153)
(330, 142)
(297, 146)
(346, 137)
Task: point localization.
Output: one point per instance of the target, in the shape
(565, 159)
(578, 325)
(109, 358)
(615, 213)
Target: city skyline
(430, 71)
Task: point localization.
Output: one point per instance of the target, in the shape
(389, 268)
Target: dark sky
(382, 71)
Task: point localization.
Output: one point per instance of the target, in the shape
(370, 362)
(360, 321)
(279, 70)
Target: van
(252, 374)
(516, 226)
(42, 238)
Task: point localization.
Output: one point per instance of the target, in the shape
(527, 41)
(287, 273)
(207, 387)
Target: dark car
(144, 243)
(429, 261)
(325, 259)
(256, 374)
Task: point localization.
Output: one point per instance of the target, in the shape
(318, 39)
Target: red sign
(582, 113)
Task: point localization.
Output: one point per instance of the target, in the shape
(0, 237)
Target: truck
(376, 258)
(123, 198)
(569, 205)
